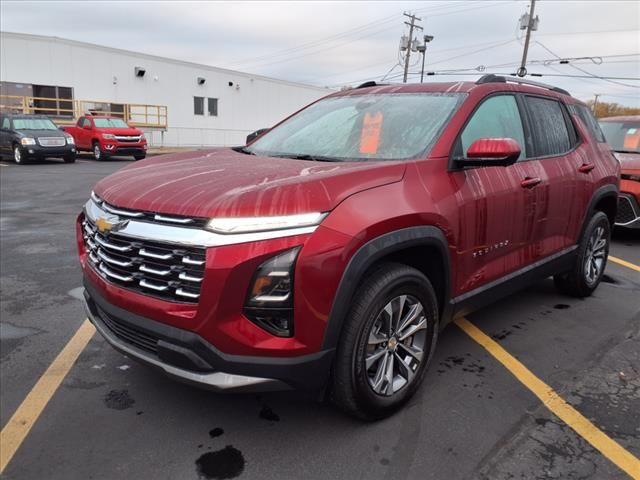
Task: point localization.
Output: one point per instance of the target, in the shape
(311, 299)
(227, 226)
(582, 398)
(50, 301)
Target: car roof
(621, 118)
(486, 84)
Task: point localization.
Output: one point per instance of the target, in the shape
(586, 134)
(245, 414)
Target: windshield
(110, 123)
(394, 126)
(622, 136)
(33, 124)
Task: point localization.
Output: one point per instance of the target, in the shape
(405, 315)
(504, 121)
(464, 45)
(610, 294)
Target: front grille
(142, 216)
(170, 272)
(627, 208)
(52, 141)
(128, 138)
(130, 334)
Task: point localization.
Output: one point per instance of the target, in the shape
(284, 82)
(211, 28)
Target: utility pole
(532, 24)
(410, 44)
(595, 103)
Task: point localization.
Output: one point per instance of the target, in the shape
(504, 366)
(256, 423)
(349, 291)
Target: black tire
(591, 259)
(140, 157)
(98, 154)
(352, 388)
(69, 158)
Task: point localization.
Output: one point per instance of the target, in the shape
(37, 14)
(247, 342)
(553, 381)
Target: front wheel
(139, 157)
(97, 153)
(17, 155)
(386, 343)
(69, 158)
(591, 260)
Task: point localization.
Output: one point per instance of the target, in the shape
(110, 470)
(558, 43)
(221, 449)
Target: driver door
(496, 205)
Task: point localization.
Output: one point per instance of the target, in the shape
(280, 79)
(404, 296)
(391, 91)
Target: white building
(177, 103)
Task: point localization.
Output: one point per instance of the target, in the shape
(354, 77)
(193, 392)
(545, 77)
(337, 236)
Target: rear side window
(5, 123)
(496, 117)
(589, 120)
(549, 127)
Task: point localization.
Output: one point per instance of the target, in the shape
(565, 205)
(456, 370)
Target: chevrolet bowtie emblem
(106, 224)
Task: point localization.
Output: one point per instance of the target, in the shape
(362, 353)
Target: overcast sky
(338, 43)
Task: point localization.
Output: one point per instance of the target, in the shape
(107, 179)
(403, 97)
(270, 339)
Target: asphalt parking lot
(473, 419)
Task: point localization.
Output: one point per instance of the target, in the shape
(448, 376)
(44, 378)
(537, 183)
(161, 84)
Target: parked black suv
(27, 137)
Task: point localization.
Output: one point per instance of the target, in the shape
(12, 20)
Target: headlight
(264, 224)
(142, 137)
(108, 136)
(70, 140)
(27, 141)
(269, 301)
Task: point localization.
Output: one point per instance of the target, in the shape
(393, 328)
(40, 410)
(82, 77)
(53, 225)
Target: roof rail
(491, 78)
(370, 83)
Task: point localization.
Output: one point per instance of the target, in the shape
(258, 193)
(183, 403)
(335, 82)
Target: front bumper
(125, 149)
(186, 356)
(37, 151)
(628, 215)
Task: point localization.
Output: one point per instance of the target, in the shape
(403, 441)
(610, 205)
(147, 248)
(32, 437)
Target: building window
(198, 105)
(212, 107)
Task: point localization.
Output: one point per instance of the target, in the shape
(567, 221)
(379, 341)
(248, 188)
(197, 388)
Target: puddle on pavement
(216, 432)
(268, 414)
(220, 464)
(118, 400)
(76, 293)
(12, 336)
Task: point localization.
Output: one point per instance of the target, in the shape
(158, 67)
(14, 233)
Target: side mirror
(491, 152)
(258, 133)
(87, 126)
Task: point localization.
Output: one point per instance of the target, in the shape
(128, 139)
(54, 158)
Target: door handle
(530, 182)
(586, 167)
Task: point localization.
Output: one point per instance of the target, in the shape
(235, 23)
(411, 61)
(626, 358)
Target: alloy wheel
(17, 155)
(595, 255)
(96, 151)
(396, 345)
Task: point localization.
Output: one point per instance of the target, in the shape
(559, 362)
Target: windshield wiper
(306, 156)
(242, 150)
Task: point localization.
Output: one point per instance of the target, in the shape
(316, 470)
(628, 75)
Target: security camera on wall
(201, 80)
(139, 71)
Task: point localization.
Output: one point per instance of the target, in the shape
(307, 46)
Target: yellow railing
(64, 111)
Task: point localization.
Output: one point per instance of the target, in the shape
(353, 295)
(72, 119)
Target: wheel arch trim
(373, 251)
(600, 194)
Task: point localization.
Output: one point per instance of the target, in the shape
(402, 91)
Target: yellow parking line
(624, 263)
(569, 415)
(15, 431)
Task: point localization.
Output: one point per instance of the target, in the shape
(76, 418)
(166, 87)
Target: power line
(587, 72)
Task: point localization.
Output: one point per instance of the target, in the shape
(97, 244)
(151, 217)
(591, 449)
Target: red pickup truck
(105, 136)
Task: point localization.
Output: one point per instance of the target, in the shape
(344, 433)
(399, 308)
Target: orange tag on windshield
(371, 127)
(632, 139)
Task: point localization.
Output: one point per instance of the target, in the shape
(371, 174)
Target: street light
(423, 49)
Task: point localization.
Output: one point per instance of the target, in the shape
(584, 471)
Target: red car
(105, 136)
(330, 251)
(623, 134)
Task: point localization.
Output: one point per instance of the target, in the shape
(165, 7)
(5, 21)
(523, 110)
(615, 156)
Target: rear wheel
(386, 344)
(591, 260)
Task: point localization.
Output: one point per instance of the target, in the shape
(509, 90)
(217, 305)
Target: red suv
(331, 250)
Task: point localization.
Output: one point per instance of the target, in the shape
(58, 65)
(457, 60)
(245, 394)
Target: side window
(198, 105)
(497, 117)
(549, 128)
(590, 121)
(5, 123)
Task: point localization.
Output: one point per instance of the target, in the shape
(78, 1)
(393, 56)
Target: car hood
(629, 161)
(226, 183)
(41, 133)
(120, 131)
